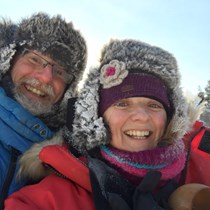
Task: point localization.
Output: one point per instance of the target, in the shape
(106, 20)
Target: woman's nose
(140, 113)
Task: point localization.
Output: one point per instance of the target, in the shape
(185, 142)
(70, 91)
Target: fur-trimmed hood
(89, 129)
(52, 36)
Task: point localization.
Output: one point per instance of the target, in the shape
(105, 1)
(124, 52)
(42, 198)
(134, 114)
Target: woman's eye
(121, 104)
(156, 106)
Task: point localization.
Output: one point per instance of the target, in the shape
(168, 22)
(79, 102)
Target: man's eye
(58, 71)
(35, 60)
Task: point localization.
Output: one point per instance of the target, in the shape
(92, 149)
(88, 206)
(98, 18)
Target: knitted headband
(119, 83)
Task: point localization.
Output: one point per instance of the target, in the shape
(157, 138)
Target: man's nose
(46, 74)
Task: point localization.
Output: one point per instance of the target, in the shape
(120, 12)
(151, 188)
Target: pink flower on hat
(110, 71)
(112, 74)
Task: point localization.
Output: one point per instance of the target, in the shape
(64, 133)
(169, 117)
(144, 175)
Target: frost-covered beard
(37, 107)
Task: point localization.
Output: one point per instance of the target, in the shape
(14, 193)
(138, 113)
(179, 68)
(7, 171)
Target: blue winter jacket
(19, 129)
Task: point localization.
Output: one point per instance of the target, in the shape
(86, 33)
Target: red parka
(54, 192)
(198, 155)
(73, 190)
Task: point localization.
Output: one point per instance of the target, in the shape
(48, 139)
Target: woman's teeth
(137, 134)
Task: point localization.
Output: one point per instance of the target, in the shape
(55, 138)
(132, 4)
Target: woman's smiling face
(136, 123)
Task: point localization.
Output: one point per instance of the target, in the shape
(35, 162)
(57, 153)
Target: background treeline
(205, 95)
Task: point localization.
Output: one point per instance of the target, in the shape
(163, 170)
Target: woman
(125, 143)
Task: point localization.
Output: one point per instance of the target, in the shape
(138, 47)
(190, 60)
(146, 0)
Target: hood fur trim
(31, 166)
(89, 129)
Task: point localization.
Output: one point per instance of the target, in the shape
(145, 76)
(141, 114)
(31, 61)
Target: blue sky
(179, 26)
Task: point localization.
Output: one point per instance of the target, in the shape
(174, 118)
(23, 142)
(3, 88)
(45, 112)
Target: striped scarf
(169, 160)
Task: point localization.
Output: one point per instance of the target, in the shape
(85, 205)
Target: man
(41, 61)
